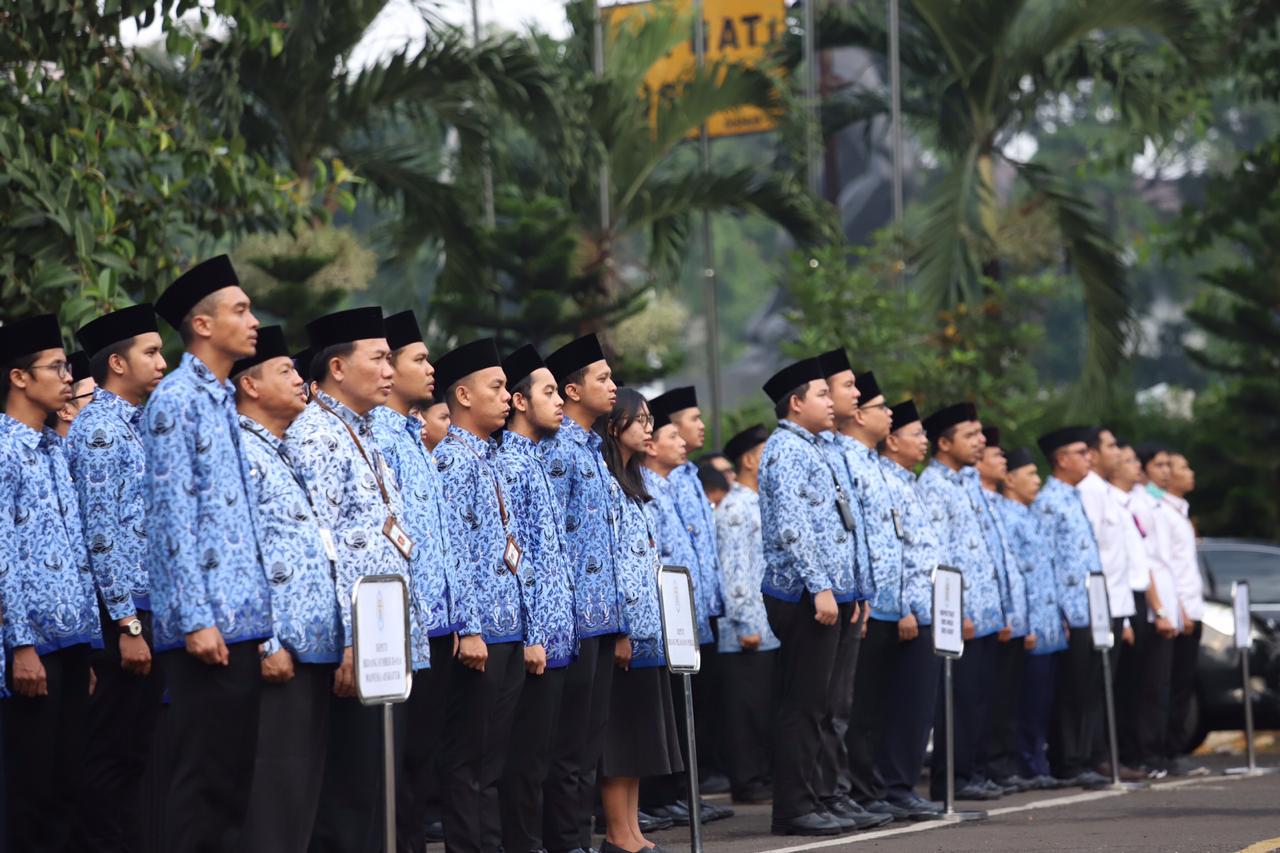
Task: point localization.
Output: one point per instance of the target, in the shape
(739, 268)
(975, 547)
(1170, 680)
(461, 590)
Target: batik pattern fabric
(921, 547)
(675, 545)
(487, 595)
(587, 493)
(1013, 592)
(202, 551)
(1031, 554)
(699, 519)
(741, 545)
(884, 548)
(1072, 550)
(955, 516)
(638, 562)
(859, 588)
(304, 601)
(108, 464)
(539, 531)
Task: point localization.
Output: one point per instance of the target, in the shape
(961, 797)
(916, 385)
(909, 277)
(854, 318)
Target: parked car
(1218, 702)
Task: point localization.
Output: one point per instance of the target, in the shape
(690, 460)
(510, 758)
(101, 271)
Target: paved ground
(1199, 815)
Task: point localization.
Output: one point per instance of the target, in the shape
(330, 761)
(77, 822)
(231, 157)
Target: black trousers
(1129, 675)
(293, 733)
(659, 791)
(1079, 675)
(418, 788)
(1153, 733)
(1001, 758)
(120, 731)
(833, 778)
(912, 696)
(808, 657)
(1035, 713)
(43, 754)
(877, 661)
(973, 677)
(747, 718)
(570, 790)
(477, 731)
(205, 752)
(528, 758)
(1182, 687)
(708, 704)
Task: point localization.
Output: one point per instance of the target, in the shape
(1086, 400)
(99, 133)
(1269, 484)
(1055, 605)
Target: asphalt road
(1195, 815)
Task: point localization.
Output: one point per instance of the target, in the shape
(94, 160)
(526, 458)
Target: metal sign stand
(684, 658)
(1104, 641)
(948, 610)
(1244, 644)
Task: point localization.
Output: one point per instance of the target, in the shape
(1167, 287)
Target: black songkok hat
(904, 414)
(97, 335)
(868, 387)
(464, 361)
(675, 400)
(79, 366)
(992, 435)
(302, 363)
(193, 285)
(344, 327)
(834, 361)
(749, 438)
(574, 356)
(1020, 458)
(520, 364)
(944, 419)
(30, 335)
(1051, 441)
(402, 330)
(271, 344)
(661, 416)
(792, 377)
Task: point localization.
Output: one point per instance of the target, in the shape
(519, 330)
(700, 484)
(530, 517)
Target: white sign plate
(1240, 606)
(380, 641)
(948, 612)
(679, 620)
(1099, 611)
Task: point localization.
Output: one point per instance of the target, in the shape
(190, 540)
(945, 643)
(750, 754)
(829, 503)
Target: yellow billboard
(738, 31)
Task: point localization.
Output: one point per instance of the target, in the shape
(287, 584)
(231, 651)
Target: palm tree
(974, 75)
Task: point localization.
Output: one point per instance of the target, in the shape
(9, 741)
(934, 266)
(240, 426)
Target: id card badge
(846, 514)
(897, 523)
(511, 555)
(393, 531)
(330, 550)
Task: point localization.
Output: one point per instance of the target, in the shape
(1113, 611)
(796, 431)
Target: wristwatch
(133, 627)
(1162, 614)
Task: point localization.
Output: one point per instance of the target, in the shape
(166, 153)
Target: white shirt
(1139, 564)
(1186, 569)
(1109, 519)
(1157, 522)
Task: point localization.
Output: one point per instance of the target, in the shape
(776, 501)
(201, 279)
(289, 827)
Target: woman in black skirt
(642, 737)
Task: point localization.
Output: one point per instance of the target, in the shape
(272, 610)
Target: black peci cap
(1051, 441)
(193, 285)
(302, 364)
(271, 344)
(402, 329)
(904, 414)
(834, 361)
(464, 361)
(520, 363)
(79, 366)
(97, 335)
(574, 356)
(1020, 458)
(750, 438)
(792, 377)
(945, 418)
(344, 327)
(29, 335)
(676, 400)
(992, 435)
(868, 388)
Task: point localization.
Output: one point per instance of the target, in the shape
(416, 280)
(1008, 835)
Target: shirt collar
(117, 405)
(572, 430)
(956, 477)
(795, 429)
(485, 447)
(362, 424)
(20, 432)
(1180, 504)
(518, 443)
(1155, 491)
(897, 470)
(204, 378)
(259, 430)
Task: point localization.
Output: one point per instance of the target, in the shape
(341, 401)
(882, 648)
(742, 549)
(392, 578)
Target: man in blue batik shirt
(587, 492)
(550, 641)
(955, 434)
(50, 612)
(209, 595)
(104, 449)
(1073, 553)
(488, 672)
(298, 661)
(398, 433)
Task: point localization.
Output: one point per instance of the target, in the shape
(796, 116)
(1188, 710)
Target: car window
(1258, 566)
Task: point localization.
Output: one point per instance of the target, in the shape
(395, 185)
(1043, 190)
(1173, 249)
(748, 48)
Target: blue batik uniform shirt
(675, 545)
(433, 562)
(343, 484)
(202, 554)
(698, 516)
(108, 464)
(955, 515)
(587, 493)
(806, 548)
(637, 560)
(742, 570)
(921, 548)
(487, 595)
(45, 582)
(883, 547)
(836, 448)
(1013, 593)
(1031, 553)
(1072, 550)
(539, 531)
(304, 602)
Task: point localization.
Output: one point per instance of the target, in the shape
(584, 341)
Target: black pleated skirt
(642, 738)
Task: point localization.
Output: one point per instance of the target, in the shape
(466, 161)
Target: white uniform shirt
(1109, 519)
(1156, 518)
(1186, 569)
(1139, 564)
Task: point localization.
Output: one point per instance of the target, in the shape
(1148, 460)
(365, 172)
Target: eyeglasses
(82, 396)
(644, 420)
(62, 368)
(875, 406)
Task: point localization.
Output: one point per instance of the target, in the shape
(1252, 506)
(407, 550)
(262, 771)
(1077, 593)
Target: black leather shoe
(974, 791)
(674, 812)
(810, 824)
(1015, 784)
(435, 832)
(893, 810)
(713, 783)
(917, 807)
(606, 847)
(1091, 779)
(707, 812)
(652, 823)
(846, 809)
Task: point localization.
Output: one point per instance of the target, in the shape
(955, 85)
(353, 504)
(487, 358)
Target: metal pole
(597, 67)
(708, 251)
(814, 131)
(1248, 712)
(895, 97)
(1111, 718)
(695, 816)
(951, 737)
(486, 174)
(389, 775)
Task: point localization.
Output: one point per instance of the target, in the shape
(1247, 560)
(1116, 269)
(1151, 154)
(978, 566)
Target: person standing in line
(108, 465)
(955, 434)
(82, 388)
(489, 671)
(748, 647)
(550, 641)
(298, 556)
(50, 616)
(586, 492)
(1189, 587)
(435, 423)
